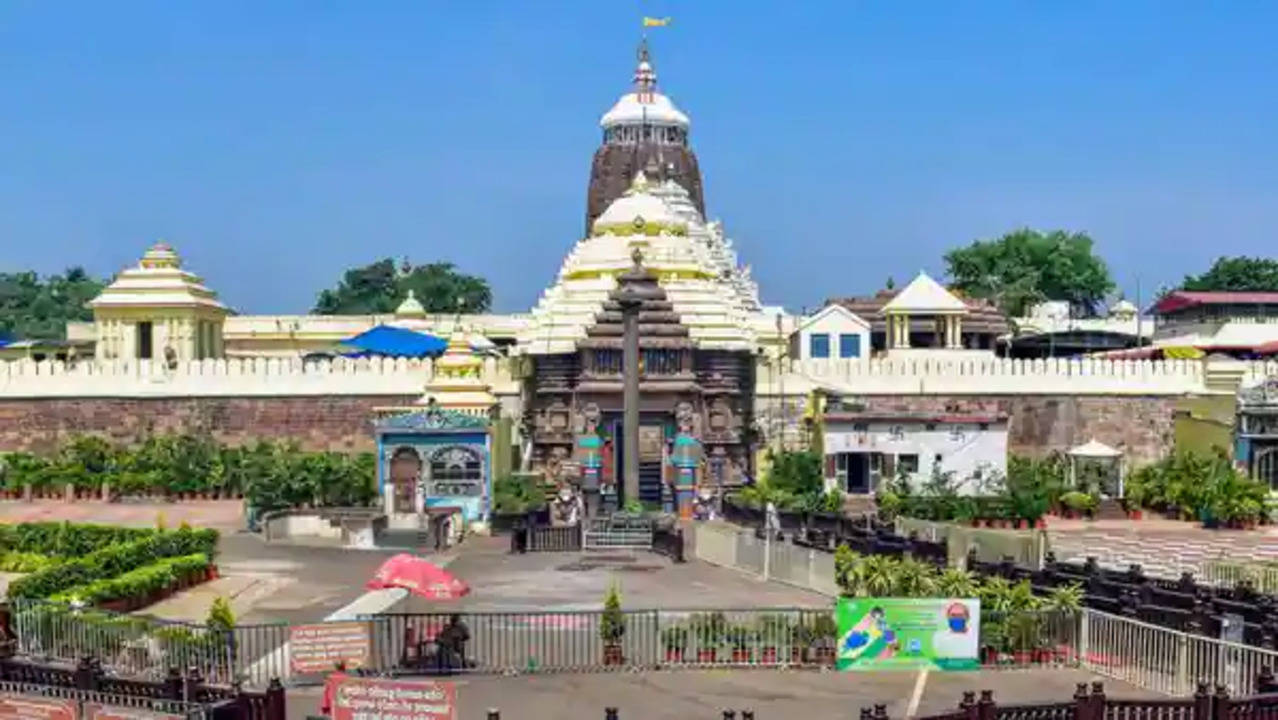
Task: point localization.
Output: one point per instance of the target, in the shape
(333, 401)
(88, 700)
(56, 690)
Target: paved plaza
(221, 514)
(576, 581)
(772, 694)
(1161, 547)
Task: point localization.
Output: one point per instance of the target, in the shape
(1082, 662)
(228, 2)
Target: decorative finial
(645, 77)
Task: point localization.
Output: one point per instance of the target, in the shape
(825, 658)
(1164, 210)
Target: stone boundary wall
(314, 422)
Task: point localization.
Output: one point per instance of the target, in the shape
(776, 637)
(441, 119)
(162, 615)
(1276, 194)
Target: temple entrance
(1264, 466)
(405, 473)
(654, 431)
(852, 470)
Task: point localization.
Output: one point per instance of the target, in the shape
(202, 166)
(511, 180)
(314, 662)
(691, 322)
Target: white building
(833, 332)
(862, 449)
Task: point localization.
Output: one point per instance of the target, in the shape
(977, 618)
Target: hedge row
(114, 560)
(64, 539)
(157, 577)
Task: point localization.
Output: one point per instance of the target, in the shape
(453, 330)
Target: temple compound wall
(330, 405)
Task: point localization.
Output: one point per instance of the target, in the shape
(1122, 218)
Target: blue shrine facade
(433, 460)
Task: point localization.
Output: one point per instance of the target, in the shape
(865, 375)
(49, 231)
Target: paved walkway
(576, 581)
(1162, 547)
(772, 694)
(221, 514)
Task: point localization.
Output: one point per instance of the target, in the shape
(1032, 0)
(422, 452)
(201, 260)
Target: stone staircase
(1110, 509)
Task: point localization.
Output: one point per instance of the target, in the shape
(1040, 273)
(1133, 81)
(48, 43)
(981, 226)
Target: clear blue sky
(277, 143)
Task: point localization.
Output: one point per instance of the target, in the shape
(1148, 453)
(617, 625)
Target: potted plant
(824, 633)
(739, 639)
(675, 640)
(612, 627)
(707, 632)
(774, 631)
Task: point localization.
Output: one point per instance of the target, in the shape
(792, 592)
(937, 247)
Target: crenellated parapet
(1003, 376)
(234, 377)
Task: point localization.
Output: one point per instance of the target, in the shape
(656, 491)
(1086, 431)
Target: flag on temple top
(656, 22)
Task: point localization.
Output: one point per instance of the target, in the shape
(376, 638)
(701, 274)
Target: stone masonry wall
(315, 422)
(1141, 426)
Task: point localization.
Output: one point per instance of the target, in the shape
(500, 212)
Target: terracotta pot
(824, 655)
(706, 655)
(796, 656)
(1022, 657)
(742, 655)
(612, 655)
(768, 656)
(674, 655)
(1041, 524)
(976, 523)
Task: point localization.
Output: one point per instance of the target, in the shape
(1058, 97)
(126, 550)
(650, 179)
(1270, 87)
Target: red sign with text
(368, 699)
(22, 707)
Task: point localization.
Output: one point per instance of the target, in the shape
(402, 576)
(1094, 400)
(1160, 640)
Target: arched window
(456, 471)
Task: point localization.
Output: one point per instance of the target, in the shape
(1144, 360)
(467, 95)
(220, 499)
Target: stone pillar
(630, 420)
(904, 320)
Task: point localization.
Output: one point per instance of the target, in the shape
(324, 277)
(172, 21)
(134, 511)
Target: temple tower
(644, 132)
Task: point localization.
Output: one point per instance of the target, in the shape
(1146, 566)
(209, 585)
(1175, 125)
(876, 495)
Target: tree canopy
(1237, 274)
(381, 287)
(32, 308)
(1026, 267)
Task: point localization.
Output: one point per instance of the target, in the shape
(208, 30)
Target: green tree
(381, 287)
(1025, 267)
(1237, 274)
(32, 308)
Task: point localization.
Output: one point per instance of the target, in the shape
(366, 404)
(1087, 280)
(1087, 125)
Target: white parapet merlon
(263, 377)
(230, 378)
(997, 376)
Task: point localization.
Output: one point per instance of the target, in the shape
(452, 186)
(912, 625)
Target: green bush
(517, 494)
(114, 560)
(65, 539)
(1198, 486)
(155, 577)
(272, 475)
(23, 562)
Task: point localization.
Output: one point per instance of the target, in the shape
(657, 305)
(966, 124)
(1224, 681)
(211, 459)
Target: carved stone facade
(707, 393)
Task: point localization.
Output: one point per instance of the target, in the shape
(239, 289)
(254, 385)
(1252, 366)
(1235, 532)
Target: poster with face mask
(906, 633)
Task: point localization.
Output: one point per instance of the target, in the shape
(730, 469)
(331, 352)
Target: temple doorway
(405, 473)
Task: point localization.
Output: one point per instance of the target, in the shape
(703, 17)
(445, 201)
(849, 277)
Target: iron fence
(128, 644)
(1167, 661)
(89, 703)
(554, 539)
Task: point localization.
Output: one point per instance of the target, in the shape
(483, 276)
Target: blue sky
(277, 143)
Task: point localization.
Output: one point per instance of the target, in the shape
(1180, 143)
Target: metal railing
(1164, 660)
(128, 644)
(618, 532)
(554, 539)
(88, 703)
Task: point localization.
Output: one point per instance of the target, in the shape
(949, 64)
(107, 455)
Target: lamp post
(634, 287)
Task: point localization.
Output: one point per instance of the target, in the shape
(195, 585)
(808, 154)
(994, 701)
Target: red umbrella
(419, 577)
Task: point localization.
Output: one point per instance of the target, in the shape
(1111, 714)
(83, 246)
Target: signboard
(98, 711)
(652, 443)
(903, 633)
(320, 647)
(24, 707)
(356, 698)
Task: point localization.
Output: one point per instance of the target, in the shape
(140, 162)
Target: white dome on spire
(644, 106)
(657, 110)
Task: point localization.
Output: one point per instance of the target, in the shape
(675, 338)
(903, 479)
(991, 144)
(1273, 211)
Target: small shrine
(1256, 437)
(434, 458)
